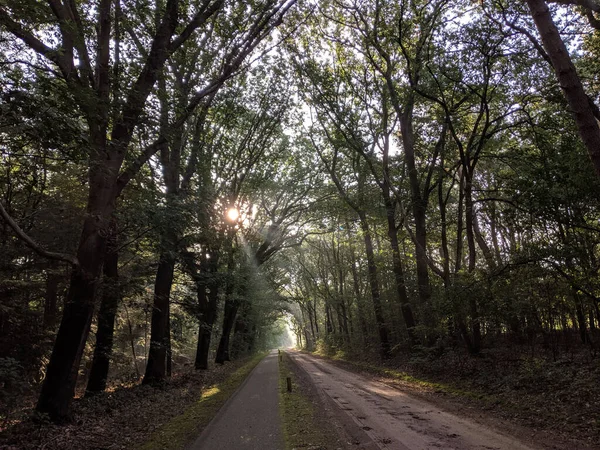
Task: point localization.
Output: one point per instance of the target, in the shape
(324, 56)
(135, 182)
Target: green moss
(301, 427)
(182, 429)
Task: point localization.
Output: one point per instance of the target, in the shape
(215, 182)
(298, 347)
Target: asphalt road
(250, 418)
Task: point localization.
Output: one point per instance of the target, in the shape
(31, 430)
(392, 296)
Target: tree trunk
(156, 369)
(229, 312)
(228, 322)
(469, 223)
(328, 324)
(419, 207)
(58, 388)
(405, 307)
(111, 296)
(361, 314)
(475, 345)
(243, 334)
(374, 284)
(169, 345)
(208, 312)
(568, 78)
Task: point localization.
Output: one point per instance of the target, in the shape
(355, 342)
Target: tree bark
(229, 312)
(405, 307)
(156, 369)
(231, 309)
(361, 314)
(58, 388)
(111, 296)
(419, 207)
(375, 294)
(475, 344)
(207, 304)
(569, 80)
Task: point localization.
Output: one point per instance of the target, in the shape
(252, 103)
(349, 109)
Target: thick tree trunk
(111, 296)
(419, 207)
(229, 312)
(231, 309)
(207, 304)
(569, 80)
(374, 284)
(581, 321)
(405, 307)
(58, 388)
(61, 374)
(203, 348)
(243, 334)
(156, 369)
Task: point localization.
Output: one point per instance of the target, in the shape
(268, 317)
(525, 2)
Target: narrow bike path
(250, 418)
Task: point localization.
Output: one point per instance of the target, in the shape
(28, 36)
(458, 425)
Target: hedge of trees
(180, 178)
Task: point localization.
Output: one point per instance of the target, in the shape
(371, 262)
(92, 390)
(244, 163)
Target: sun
(233, 214)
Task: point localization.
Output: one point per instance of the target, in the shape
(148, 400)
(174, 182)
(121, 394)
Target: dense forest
(184, 182)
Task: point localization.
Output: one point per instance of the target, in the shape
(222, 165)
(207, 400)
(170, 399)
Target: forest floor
(553, 403)
(141, 416)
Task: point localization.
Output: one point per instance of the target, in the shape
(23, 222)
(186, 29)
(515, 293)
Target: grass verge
(303, 427)
(183, 429)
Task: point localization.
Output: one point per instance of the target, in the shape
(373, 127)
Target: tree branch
(34, 245)
(33, 42)
(593, 5)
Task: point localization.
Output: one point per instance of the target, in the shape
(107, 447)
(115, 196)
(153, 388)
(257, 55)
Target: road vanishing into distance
(383, 416)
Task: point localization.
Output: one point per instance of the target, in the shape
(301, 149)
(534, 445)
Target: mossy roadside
(181, 430)
(302, 420)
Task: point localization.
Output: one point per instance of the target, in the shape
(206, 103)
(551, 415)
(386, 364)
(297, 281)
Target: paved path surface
(395, 420)
(250, 418)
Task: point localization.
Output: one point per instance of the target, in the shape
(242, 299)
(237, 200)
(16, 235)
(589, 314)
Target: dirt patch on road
(396, 420)
(312, 420)
(525, 423)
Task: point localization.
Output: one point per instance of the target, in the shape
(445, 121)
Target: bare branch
(34, 245)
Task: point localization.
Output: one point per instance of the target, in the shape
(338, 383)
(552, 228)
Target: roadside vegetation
(409, 184)
(142, 416)
(305, 425)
